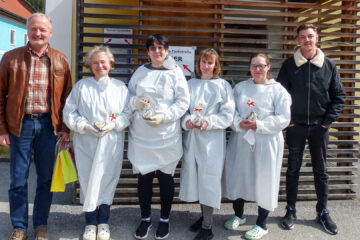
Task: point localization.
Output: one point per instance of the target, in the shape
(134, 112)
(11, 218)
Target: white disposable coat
(253, 172)
(160, 147)
(98, 160)
(204, 151)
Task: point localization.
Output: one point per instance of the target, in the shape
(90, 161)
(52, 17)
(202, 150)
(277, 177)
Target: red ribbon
(197, 110)
(112, 117)
(250, 104)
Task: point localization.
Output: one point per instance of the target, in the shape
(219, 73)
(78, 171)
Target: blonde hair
(206, 53)
(39, 14)
(96, 50)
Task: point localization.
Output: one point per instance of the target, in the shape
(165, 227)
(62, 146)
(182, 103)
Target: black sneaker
(143, 230)
(204, 234)
(196, 226)
(325, 220)
(289, 218)
(162, 231)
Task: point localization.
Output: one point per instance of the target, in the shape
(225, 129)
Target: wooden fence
(236, 29)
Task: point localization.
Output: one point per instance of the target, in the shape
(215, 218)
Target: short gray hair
(38, 14)
(99, 49)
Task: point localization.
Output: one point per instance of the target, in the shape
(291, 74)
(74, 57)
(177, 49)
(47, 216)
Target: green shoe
(234, 223)
(255, 233)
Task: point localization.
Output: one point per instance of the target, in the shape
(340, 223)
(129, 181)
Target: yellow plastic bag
(64, 169)
(57, 183)
(68, 167)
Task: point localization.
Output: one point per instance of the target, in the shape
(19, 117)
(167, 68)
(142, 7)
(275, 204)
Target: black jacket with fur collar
(315, 87)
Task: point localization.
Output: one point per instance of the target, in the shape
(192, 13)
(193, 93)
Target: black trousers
(145, 186)
(238, 206)
(318, 138)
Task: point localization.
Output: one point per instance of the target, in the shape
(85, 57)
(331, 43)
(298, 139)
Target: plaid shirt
(37, 94)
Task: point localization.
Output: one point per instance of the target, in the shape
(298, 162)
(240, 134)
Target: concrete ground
(66, 221)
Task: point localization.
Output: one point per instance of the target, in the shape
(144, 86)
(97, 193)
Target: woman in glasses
(160, 97)
(255, 149)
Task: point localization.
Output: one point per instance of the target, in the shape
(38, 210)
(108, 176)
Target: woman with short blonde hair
(96, 110)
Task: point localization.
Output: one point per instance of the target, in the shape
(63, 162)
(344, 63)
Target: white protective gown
(204, 151)
(253, 172)
(157, 148)
(98, 160)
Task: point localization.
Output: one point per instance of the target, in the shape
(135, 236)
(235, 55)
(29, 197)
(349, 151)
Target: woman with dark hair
(255, 149)
(159, 98)
(211, 111)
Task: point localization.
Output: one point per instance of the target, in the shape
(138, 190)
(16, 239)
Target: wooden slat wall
(237, 29)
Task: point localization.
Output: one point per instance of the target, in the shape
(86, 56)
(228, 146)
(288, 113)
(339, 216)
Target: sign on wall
(185, 58)
(120, 51)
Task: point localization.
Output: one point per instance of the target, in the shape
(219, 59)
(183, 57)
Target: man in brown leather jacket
(34, 83)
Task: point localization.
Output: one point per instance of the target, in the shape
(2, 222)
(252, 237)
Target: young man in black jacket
(318, 97)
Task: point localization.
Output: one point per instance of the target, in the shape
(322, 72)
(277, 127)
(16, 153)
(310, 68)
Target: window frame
(12, 37)
(26, 39)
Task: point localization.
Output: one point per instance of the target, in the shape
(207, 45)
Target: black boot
(163, 230)
(195, 227)
(289, 218)
(204, 234)
(143, 229)
(324, 219)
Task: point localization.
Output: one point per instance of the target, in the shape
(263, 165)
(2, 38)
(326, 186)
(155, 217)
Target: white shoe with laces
(89, 232)
(103, 232)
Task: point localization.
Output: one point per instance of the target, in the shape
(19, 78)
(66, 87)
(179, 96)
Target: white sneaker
(103, 232)
(89, 232)
(255, 233)
(234, 223)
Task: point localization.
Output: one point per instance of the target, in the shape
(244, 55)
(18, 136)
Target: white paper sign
(118, 40)
(184, 57)
(119, 50)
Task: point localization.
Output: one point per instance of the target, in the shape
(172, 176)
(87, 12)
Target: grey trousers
(207, 213)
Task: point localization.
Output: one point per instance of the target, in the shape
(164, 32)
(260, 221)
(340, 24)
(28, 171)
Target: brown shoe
(41, 233)
(18, 235)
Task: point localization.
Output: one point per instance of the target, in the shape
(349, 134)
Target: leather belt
(37, 115)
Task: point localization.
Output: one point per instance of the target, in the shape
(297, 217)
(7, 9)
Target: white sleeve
(187, 115)
(132, 92)
(71, 116)
(281, 118)
(184, 119)
(224, 117)
(181, 98)
(235, 126)
(123, 121)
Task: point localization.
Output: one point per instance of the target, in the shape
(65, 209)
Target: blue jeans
(37, 138)
(99, 216)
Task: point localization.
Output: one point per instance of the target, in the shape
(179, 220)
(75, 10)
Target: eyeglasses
(153, 48)
(258, 66)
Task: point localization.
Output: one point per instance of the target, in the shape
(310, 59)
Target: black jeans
(145, 185)
(238, 206)
(318, 138)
